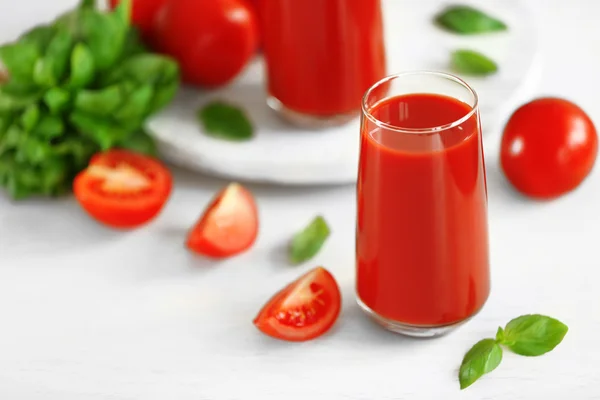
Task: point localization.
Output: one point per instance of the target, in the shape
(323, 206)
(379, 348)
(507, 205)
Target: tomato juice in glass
(422, 233)
(321, 56)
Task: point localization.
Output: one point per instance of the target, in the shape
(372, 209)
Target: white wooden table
(91, 314)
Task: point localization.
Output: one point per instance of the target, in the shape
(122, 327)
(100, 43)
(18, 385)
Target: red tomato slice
(228, 227)
(303, 310)
(123, 189)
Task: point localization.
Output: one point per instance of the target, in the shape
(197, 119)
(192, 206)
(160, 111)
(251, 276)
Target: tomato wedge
(122, 189)
(303, 310)
(228, 227)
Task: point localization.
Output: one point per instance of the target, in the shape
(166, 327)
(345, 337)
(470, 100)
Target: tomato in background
(229, 225)
(212, 40)
(142, 14)
(548, 148)
(123, 189)
(255, 6)
(304, 309)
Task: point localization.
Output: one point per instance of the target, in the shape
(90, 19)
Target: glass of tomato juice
(321, 56)
(422, 232)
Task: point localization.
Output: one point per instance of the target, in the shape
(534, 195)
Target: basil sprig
(81, 84)
(528, 335)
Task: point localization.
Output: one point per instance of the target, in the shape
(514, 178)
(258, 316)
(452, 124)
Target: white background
(91, 314)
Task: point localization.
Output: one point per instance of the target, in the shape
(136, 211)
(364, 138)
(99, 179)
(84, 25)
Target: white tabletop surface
(91, 314)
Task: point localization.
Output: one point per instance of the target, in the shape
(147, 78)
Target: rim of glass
(434, 129)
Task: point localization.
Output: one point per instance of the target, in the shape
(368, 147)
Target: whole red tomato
(548, 148)
(255, 6)
(143, 13)
(211, 39)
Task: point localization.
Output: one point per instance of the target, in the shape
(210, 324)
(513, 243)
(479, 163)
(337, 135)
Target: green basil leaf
(77, 148)
(7, 163)
(101, 131)
(6, 120)
(59, 51)
(139, 142)
(483, 358)
(22, 180)
(72, 22)
(133, 43)
(82, 67)
(19, 59)
(102, 103)
(136, 104)
(30, 117)
(88, 4)
(500, 335)
(12, 138)
(122, 12)
(470, 62)
(19, 182)
(43, 73)
(222, 120)
(12, 97)
(533, 335)
(145, 69)
(33, 151)
(56, 175)
(163, 95)
(51, 69)
(40, 36)
(162, 73)
(307, 243)
(49, 127)
(57, 100)
(105, 36)
(467, 20)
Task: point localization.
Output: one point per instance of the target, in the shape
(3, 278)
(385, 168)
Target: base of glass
(419, 331)
(309, 121)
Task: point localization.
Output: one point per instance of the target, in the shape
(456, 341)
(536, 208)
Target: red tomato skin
(198, 242)
(142, 14)
(268, 324)
(549, 147)
(254, 4)
(118, 212)
(204, 247)
(212, 40)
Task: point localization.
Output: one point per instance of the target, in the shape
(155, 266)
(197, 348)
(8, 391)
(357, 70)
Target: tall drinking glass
(422, 233)
(321, 56)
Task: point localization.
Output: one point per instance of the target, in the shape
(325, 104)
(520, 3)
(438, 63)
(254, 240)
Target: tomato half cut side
(123, 189)
(229, 225)
(303, 310)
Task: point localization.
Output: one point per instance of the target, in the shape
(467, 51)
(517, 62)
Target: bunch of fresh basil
(81, 84)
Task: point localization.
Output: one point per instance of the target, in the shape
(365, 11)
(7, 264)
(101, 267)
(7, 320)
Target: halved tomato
(229, 226)
(303, 310)
(123, 189)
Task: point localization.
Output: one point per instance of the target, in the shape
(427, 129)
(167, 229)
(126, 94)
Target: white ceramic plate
(283, 154)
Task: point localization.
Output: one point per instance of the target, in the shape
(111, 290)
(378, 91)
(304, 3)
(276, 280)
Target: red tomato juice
(422, 235)
(322, 55)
